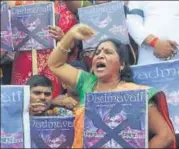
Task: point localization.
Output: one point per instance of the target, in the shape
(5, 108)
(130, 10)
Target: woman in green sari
(110, 74)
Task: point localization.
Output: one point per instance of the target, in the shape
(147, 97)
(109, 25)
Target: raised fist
(82, 32)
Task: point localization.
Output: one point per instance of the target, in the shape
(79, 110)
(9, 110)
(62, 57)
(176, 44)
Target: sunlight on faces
(106, 62)
(40, 94)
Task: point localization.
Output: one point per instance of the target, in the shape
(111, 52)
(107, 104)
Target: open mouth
(100, 66)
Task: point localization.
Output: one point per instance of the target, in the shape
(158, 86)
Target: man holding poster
(41, 102)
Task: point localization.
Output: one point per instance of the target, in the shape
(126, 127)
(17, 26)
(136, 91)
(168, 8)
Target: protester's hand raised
(82, 32)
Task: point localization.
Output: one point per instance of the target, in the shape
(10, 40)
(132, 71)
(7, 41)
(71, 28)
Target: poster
(30, 26)
(15, 125)
(165, 77)
(107, 20)
(116, 120)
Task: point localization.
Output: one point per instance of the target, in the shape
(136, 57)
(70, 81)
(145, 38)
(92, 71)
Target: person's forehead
(41, 88)
(107, 45)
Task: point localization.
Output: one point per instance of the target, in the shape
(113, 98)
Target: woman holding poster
(110, 74)
(22, 65)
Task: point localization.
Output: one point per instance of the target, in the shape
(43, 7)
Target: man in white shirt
(154, 25)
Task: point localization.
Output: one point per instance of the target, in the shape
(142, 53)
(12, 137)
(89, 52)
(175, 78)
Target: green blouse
(86, 83)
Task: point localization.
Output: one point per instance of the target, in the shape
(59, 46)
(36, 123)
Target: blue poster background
(12, 121)
(52, 132)
(6, 31)
(108, 20)
(30, 26)
(115, 120)
(163, 76)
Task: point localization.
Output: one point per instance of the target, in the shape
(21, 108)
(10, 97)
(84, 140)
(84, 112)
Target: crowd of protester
(154, 37)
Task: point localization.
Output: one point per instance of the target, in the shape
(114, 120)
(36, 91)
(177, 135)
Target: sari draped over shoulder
(86, 83)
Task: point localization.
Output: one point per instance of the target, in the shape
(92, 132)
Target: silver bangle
(66, 50)
(63, 49)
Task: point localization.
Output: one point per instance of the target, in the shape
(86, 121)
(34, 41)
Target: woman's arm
(65, 101)
(58, 58)
(163, 136)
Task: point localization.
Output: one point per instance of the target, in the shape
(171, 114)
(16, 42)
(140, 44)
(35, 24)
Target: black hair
(39, 80)
(123, 52)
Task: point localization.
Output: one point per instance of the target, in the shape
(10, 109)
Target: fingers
(55, 29)
(165, 49)
(83, 31)
(35, 111)
(56, 32)
(69, 106)
(173, 43)
(69, 103)
(86, 30)
(174, 52)
(37, 108)
(37, 104)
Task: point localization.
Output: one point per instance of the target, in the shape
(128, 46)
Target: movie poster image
(52, 132)
(165, 77)
(15, 126)
(107, 20)
(116, 120)
(30, 26)
(6, 31)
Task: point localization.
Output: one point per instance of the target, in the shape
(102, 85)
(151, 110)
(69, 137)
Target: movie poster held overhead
(108, 20)
(15, 125)
(6, 31)
(52, 132)
(116, 120)
(30, 26)
(165, 77)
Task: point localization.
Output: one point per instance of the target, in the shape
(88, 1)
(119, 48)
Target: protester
(40, 94)
(154, 27)
(22, 65)
(107, 64)
(41, 103)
